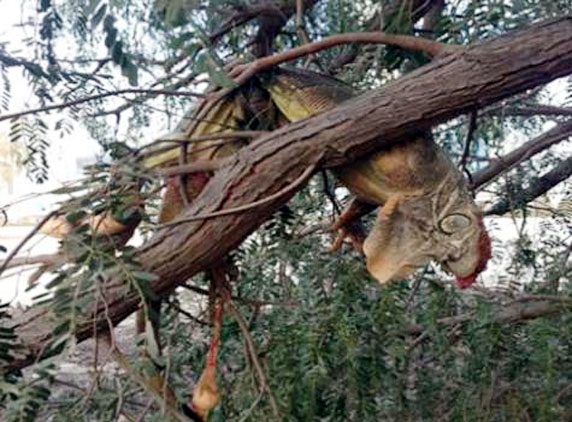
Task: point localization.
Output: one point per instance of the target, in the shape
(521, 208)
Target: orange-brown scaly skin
(426, 212)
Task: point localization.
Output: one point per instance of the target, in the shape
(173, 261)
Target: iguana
(427, 212)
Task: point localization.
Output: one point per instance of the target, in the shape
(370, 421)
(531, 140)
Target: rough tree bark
(469, 79)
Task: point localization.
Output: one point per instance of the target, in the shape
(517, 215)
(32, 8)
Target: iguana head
(444, 225)
(471, 250)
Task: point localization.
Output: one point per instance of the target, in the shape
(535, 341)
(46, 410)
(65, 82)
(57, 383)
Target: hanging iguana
(427, 212)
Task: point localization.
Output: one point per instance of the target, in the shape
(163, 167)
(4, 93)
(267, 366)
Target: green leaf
(92, 6)
(117, 52)
(130, 70)
(98, 16)
(144, 276)
(62, 328)
(110, 30)
(44, 5)
(110, 37)
(143, 279)
(179, 41)
(67, 189)
(108, 23)
(75, 216)
(218, 77)
(9, 388)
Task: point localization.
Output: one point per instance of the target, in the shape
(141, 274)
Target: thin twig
(557, 134)
(254, 356)
(246, 301)
(467, 148)
(516, 313)
(300, 28)
(198, 166)
(49, 259)
(243, 73)
(190, 316)
(123, 362)
(533, 111)
(330, 194)
(35, 230)
(184, 82)
(145, 410)
(537, 186)
(98, 97)
(249, 411)
(248, 134)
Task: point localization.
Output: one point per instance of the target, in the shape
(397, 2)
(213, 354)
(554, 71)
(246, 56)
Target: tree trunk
(471, 78)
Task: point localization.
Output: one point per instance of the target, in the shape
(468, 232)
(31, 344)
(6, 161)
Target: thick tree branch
(512, 314)
(524, 152)
(537, 186)
(540, 110)
(471, 78)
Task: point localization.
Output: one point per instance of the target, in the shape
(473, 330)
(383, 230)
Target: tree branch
(286, 191)
(254, 357)
(4, 265)
(531, 111)
(243, 73)
(48, 259)
(524, 152)
(417, 9)
(537, 186)
(193, 167)
(467, 148)
(512, 314)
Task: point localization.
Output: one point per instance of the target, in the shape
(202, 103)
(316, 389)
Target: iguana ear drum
(454, 223)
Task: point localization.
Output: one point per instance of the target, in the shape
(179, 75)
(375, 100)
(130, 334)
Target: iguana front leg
(348, 225)
(390, 206)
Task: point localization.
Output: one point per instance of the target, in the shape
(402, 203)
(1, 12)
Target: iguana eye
(453, 223)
